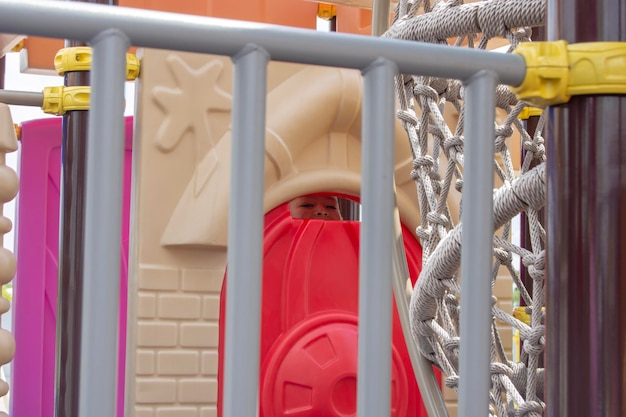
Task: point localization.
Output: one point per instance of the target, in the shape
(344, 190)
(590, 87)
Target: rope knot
(407, 117)
(452, 382)
(451, 141)
(452, 345)
(497, 368)
(425, 161)
(534, 345)
(426, 91)
(535, 146)
(502, 255)
(423, 233)
(529, 408)
(504, 130)
(437, 218)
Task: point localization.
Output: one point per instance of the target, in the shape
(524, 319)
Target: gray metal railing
(111, 30)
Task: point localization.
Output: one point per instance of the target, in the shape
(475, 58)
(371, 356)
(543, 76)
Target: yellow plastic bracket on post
(326, 11)
(555, 71)
(78, 58)
(527, 112)
(60, 99)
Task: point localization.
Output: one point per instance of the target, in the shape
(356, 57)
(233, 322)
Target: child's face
(315, 207)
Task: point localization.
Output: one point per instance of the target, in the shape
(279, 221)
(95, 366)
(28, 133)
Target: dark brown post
(71, 240)
(586, 209)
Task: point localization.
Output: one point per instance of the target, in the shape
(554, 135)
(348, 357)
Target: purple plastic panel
(35, 284)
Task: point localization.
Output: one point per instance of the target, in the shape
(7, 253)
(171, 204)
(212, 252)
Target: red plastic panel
(35, 294)
(310, 321)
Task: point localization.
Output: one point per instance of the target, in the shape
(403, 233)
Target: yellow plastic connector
(59, 99)
(326, 11)
(528, 112)
(78, 58)
(18, 131)
(555, 71)
(521, 314)
(18, 46)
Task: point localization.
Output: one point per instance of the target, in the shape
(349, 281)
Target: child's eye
(307, 205)
(331, 207)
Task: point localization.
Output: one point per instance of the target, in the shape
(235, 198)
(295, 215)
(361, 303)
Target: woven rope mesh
(432, 113)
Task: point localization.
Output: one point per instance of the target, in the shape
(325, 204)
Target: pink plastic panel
(35, 292)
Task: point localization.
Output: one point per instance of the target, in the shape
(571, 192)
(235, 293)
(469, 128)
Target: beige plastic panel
(182, 164)
(8, 190)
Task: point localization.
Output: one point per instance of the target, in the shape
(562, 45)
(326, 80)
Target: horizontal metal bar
(175, 31)
(21, 98)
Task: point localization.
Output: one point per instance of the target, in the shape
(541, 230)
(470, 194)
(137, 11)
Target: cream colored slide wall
(180, 203)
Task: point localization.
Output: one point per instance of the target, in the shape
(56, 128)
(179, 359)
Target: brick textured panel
(203, 280)
(506, 334)
(204, 335)
(209, 363)
(197, 391)
(158, 278)
(179, 306)
(146, 305)
(211, 307)
(178, 362)
(503, 288)
(155, 391)
(177, 412)
(144, 362)
(144, 412)
(208, 412)
(156, 334)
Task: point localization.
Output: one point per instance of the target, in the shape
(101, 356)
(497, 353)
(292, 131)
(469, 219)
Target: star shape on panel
(198, 86)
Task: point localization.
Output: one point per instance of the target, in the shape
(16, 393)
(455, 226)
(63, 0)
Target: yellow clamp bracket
(18, 131)
(60, 99)
(79, 59)
(521, 314)
(555, 71)
(527, 112)
(326, 11)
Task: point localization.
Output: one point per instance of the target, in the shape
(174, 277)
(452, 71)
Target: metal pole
(103, 223)
(21, 98)
(162, 30)
(586, 206)
(377, 240)
(70, 260)
(380, 16)
(245, 234)
(71, 245)
(476, 252)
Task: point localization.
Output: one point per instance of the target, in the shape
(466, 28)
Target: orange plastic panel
(295, 13)
(309, 321)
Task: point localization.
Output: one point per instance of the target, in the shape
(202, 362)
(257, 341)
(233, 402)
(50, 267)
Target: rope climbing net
(427, 106)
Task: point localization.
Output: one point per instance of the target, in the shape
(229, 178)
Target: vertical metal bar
(377, 240)
(70, 260)
(245, 234)
(380, 16)
(476, 252)
(103, 225)
(586, 202)
(71, 245)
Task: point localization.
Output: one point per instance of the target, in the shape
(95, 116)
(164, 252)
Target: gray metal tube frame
(245, 232)
(146, 28)
(21, 98)
(375, 257)
(92, 23)
(476, 247)
(103, 223)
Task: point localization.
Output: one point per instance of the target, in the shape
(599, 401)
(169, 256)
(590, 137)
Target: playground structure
(177, 233)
